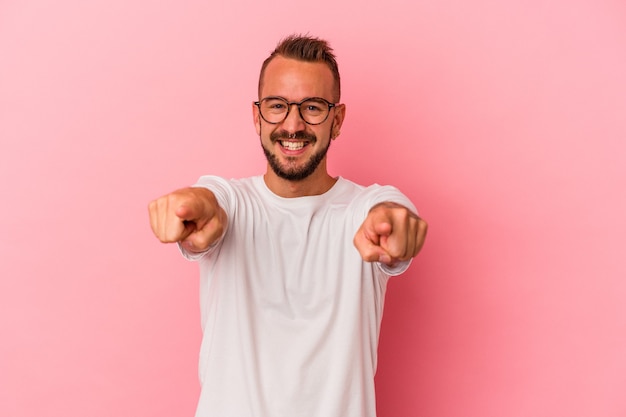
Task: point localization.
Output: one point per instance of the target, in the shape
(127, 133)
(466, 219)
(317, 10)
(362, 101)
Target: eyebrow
(320, 99)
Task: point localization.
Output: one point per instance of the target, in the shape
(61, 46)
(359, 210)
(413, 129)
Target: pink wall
(503, 120)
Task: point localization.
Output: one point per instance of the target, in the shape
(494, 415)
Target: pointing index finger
(187, 211)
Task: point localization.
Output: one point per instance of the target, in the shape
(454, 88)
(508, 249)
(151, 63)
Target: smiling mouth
(293, 145)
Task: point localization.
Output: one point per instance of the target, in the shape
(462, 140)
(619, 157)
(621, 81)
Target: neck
(315, 184)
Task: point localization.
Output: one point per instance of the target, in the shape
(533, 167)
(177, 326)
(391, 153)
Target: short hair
(308, 49)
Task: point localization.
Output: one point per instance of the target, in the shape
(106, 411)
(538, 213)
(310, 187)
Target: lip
(293, 152)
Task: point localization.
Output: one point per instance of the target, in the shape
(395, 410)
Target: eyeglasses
(313, 110)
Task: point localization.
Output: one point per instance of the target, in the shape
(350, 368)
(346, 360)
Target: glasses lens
(273, 109)
(314, 111)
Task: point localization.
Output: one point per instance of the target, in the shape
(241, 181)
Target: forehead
(295, 80)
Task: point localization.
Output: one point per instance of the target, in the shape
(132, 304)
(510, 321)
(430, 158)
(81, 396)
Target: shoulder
(214, 182)
(229, 192)
(365, 197)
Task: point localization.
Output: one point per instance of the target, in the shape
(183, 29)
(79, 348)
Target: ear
(256, 118)
(338, 117)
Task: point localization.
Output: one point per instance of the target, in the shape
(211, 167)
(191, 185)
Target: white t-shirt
(290, 312)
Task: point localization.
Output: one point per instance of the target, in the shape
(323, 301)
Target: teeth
(292, 146)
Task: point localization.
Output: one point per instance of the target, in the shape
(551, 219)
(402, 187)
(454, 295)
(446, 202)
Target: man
(294, 263)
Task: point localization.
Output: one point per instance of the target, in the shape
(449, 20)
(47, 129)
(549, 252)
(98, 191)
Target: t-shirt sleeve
(223, 192)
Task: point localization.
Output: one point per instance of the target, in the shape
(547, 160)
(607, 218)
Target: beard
(290, 171)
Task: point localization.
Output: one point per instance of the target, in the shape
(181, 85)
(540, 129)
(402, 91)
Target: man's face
(295, 149)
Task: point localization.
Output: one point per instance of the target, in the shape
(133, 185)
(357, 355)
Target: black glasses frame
(298, 104)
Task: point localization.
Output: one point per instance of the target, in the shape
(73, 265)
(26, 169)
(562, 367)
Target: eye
(274, 105)
(313, 107)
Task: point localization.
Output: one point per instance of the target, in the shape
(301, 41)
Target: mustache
(283, 134)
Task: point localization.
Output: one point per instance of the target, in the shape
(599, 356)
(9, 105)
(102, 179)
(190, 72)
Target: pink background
(503, 120)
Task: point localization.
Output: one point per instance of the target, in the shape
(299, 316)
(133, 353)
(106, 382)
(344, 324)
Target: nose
(293, 122)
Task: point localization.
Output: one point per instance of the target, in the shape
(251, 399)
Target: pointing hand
(190, 216)
(389, 234)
